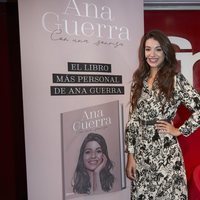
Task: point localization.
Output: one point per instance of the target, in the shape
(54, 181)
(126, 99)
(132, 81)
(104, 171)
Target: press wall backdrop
(75, 55)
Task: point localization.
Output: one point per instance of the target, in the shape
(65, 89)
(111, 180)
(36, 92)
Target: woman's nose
(93, 154)
(152, 53)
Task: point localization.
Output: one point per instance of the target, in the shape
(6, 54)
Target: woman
(155, 163)
(92, 173)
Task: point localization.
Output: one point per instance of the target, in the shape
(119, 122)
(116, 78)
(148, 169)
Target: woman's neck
(151, 78)
(153, 73)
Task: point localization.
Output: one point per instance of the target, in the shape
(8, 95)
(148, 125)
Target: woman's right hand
(131, 166)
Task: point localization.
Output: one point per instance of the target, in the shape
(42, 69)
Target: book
(93, 150)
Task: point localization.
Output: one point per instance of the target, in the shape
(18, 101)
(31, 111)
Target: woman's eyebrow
(153, 47)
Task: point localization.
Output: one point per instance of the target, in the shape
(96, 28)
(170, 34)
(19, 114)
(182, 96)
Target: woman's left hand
(166, 127)
(96, 176)
(102, 165)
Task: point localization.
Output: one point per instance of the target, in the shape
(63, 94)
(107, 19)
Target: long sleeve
(191, 99)
(131, 132)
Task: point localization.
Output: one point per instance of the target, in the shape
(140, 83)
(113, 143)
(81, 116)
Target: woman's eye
(99, 150)
(87, 152)
(159, 49)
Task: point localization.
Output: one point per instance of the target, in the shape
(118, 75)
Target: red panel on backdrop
(184, 24)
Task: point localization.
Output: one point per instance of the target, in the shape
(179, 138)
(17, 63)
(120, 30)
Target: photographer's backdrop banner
(77, 61)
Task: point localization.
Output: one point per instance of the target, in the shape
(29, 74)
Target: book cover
(93, 150)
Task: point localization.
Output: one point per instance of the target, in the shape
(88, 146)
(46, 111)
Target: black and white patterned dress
(160, 171)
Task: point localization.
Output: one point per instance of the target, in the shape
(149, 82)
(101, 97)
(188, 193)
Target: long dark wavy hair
(165, 74)
(81, 178)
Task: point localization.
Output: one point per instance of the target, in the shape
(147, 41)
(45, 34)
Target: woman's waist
(152, 122)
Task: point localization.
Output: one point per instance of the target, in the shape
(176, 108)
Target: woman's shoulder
(180, 82)
(183, 83)
(179, 75)
(180, 78)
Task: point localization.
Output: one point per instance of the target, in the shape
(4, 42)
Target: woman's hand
(96, 178)
(131, 166)
(166, 127)
(102, 165)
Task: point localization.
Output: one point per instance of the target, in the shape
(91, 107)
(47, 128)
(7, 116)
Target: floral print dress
(160, 171)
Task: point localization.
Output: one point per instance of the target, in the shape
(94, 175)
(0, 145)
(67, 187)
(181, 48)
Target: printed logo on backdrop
(85, 23)
(185, 55)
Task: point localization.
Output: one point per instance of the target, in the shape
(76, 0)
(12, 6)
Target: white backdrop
(52, 34)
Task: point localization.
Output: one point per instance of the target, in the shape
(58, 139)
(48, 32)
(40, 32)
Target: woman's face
(153, 53)
(92, 156)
